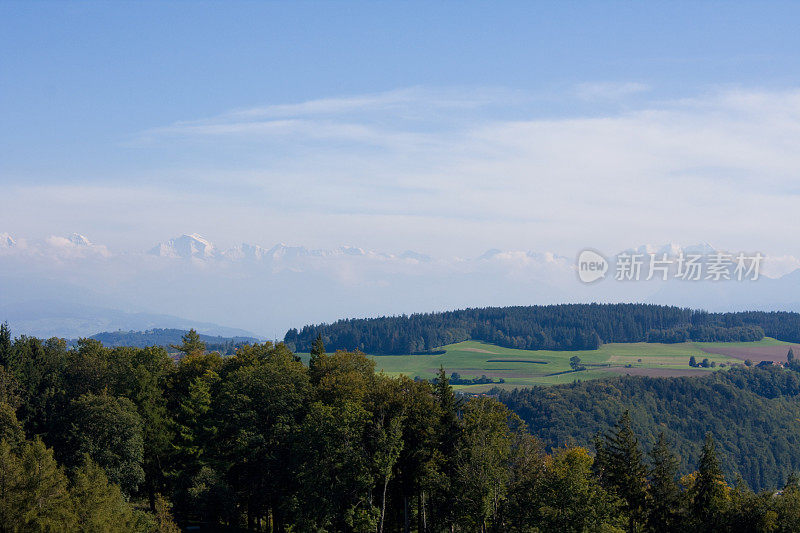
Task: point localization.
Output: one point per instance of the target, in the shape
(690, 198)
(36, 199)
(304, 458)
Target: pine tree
(447, 436)
(664, 490)
(624, 471)
(98, 504)
(708, 494)
(317, 351)
(191, 343)
(790, 356)
(5, 345)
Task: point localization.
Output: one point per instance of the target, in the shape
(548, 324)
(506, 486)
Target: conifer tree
(5, 345)
(447, 436)
(664, 490)
(624, 470)
(191, 343)
(709, 491)
(317, 351)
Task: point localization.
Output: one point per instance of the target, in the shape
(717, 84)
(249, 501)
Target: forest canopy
(550, 327)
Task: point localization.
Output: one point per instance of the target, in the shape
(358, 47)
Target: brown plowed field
(754, 353)
(657, 372)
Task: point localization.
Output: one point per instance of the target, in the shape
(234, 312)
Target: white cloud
(457, 172)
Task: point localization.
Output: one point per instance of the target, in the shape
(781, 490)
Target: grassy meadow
(524, 368)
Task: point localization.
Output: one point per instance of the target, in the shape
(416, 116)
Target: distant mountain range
(194, 246)
(72, 286)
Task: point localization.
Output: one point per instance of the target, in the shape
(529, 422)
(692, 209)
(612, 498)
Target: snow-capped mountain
(415, 256)
(672, 249)
(191, 246)
(79, 240)
(244, 251)
(283, 252)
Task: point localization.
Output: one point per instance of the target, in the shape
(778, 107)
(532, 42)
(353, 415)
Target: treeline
(551, 327)
(90, 437)
(752, 413)
(166, 337)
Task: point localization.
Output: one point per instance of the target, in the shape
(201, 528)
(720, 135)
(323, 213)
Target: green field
(524, 368)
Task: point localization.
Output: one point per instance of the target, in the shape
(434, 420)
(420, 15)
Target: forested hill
(753, 414)
(551, 327)
(166, 338)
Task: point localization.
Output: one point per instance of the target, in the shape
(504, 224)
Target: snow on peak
(79, 240)
(282, 251)
(186, 246)
(7, 241)
(415, 256)
(245, 251)
(672, 249)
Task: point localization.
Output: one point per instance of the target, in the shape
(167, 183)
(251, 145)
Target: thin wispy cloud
(475, 170)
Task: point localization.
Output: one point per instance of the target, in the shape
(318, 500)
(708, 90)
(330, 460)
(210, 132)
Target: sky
(446, 128)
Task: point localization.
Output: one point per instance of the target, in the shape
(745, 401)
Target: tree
(10, 428)
(709, 491)
(620, 460)
(481, 476)
(99, 505)
(194, 427)
(693, 361)
(260, 407)
(705, 363)
(317, 351)
(5, 345)
(191, 343)
(142, 375)
(335, 477)
(790, 356)
(34, 494)
(109, 430)
(664, 490)
(384, 434)
(566, 497)
(575, 363)
(447, 435)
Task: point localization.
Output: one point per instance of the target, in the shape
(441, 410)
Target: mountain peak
(186, 246)
(79, 240)
(7, 241)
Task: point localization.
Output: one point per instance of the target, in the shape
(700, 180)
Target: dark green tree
(260, 407)
(317, 351)
(191, 343)
(99, 505)
(709, 491)
(5, 345)
(693, 361)
(623, 470)
(448, 434)
(665, 494)
(109, 430)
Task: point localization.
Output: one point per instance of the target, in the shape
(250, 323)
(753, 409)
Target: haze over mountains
(71, 286)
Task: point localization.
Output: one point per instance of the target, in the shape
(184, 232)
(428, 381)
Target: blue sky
(451, 127)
